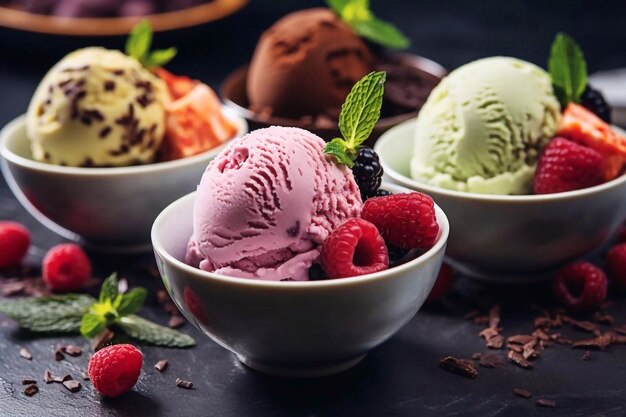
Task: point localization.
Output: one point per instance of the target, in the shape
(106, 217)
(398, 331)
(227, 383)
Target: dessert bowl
(512, 238)
(104, 208)
(400, 65)
(293, 328)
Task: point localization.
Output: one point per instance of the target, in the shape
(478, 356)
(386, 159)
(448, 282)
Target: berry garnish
(444, 282)
(616, 264)
(354, 248)
(115, 369)
(66, 268)
(580, 286)
(407, 221)
(565, 166)
(367, 172)
(14, 243)
(594, 101)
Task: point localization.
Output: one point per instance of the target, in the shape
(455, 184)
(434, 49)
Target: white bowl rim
(20, 121)
(444, 231)
(412, 184)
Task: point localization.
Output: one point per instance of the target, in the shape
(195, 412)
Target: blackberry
(367, 172)
(594, 101)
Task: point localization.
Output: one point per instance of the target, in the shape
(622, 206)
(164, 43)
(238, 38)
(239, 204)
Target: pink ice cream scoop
(266, 204)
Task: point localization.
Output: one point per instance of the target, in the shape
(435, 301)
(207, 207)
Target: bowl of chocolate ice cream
(304, 66)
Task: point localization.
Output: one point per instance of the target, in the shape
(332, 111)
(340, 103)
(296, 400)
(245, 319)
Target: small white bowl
(297, 329)
(511, 239)
(110, 209)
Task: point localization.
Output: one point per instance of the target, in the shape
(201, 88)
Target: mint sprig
(358, 15)
(568, 69)
(74, 313)
(138, 46)
(359, 114)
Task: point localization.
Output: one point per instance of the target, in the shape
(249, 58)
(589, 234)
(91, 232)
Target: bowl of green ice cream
(474, 148)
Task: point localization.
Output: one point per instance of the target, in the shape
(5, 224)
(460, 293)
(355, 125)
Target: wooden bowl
(110, 26)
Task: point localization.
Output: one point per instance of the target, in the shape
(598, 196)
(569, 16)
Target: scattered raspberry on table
(580, 286)
(115, 369)
(14, 243)
(66, 267)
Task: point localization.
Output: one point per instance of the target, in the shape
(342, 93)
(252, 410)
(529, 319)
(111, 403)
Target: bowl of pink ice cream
(237, 258)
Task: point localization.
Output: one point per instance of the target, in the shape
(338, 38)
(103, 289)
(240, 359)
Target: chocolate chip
(109, 85)
(25, 353)
(175, 322)
(586, 356)
(47, 377)
(181, 383)
(117, 72)
(31, 390)
(522, 393)
(490, 361)
(161, 365)
(519, 360)
(458, 366)
(28, 381)
(105, 132)
(542, 402)
(71, 385)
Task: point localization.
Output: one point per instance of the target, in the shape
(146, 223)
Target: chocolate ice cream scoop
(305, 65)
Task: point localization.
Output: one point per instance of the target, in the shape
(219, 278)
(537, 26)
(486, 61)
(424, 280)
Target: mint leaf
(568, 69)
(338, 5)
(55, 314)
(108, 291)
(132, 301)
(160, 57)
(92, 325)
(147, 331)
(361, 110)
(381, 32)
(337, 148)
(139, 41)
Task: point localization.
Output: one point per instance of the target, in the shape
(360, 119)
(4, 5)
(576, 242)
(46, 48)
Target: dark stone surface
(401, 377)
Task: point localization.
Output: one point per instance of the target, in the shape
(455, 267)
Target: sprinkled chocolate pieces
(458, 366)
(522, 393)
(161, 365)
(181, 383)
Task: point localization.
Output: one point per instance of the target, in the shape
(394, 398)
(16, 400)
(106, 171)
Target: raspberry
(594, 101)
(367, 172)
(115, 369)
(354, 248)
(566, 166)
(616, 264)
(66, 268)
(444, 282)
(14, 243)
(406, 221)
(580, 286)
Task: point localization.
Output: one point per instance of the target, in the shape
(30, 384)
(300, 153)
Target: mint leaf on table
(358, 15)
(568, 69)
(54, 314)
(131, 302)
(359, 114)
(150, 332)
(138, 47)
(92, 325)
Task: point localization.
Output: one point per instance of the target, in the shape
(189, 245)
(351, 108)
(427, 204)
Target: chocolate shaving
(515, 348)
(84, 375)
(58, 354)
(529, 349)
(491, 361)
(522, 393)
(519, 360)
(476, 356)
(31, 390)
(584, 325)
(542, 402)
(25, 353)
(600, 342)
(520, 339)
(603, 318)
(72, 385)
(181, 383)
(47, 377)
(543, 321)
(458, 366)
(102, 340)
(495, 342)
(494, 317)
(71, 350)
(161, 365)
(586, 356)
(541, 335)
(621, 329)
(175, 322)
(61, 379)
(28, 381)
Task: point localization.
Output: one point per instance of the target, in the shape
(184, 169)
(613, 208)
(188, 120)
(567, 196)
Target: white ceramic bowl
(300, 329)
(512, 238)
(105, 208)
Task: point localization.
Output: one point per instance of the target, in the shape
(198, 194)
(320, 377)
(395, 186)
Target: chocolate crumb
(519, 360)
(584, 325)
(586, 356)
(72, 385)
(72, 350)
(175, 322)
(490, 361)
(161, 365)
(476, 356)
(84, 375)
(541, 335)
(102, 340)
(520, 339)
(542, 402)
(47, 377)
(58, 354)
(31, 390)
(109, 85)
(28, 381)
(458, 366)
(522, 393)
(61, 379)
(600, 342)
(105, 132)
(181, 383)
(25, 353)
